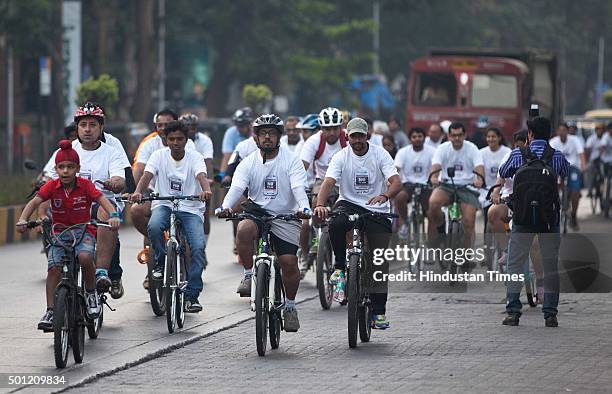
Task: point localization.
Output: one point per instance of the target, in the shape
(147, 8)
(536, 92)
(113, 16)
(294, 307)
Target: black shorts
(279, 246)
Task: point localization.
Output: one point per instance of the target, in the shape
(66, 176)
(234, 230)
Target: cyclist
(413, 163)
(142, 212)
(373, 137)
(399, 136)
(240, 131)
(435, 135)
(204, 146)
(362, 172)
(492, 156)
(275, 180)
(292, 136)
(522, 235)
(178, 171)
(595, 151)
(72, 197)
(573, 150)
(465, 157)
(104, 165)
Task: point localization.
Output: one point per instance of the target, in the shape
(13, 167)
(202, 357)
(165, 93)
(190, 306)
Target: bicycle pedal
(182, 286)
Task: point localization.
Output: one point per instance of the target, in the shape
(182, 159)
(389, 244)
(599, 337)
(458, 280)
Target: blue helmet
(309, 122)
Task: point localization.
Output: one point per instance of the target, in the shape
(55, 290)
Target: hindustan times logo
(412, 255)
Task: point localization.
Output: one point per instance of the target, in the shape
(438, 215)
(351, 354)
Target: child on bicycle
(71, 199)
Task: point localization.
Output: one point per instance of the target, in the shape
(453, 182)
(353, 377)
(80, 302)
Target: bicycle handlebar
(246, 215)
(156, 197)
(484, 183)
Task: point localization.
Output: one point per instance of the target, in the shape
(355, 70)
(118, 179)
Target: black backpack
(535, 196)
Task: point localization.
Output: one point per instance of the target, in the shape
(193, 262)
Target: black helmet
(267, 121)
(243, 116)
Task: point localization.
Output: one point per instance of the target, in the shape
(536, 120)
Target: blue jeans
(519, 246)
(193, 230)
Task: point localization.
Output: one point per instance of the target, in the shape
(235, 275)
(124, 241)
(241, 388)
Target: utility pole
(376, 37)
(10, 110)
(600, 71)
(161, 60)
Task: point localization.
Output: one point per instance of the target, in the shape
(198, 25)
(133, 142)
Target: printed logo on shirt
(417, 168)
(79, 200)
(458, 166)
(270, 186)
(362, 182)
(176, 185)
(57, 203)
(494, 170)
(86, 175)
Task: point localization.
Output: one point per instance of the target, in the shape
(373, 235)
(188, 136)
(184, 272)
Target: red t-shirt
(70, 208)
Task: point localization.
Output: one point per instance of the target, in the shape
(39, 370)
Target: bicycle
(69, 308)
(359, 304)
(267, 296)
(528, 269)
(595, 192)
(564, 201)
(454, 224)
(174, 281)
(416, 225)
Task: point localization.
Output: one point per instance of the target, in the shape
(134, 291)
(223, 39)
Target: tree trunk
(146, 74)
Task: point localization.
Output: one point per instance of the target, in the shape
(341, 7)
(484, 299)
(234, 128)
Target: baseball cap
(357, 125)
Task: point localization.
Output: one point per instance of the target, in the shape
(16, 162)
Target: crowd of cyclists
(307, 166)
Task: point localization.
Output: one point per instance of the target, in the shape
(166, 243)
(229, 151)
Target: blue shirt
(515, 161)
(231, 138)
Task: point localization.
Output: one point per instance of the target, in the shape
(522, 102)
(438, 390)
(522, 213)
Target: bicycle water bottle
(454, 212)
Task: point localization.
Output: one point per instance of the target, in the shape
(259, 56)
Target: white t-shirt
(310, 150)
(154, 144)
(464, 160)
(278, 185)
(245, 148)
(376, 139)
(595, 144)
(310, 176)
(292, 148)
(362, 177)
(177, 178)
(508, 184)
(204, 145)
(414, 166)
(492, 161)
(96, 165)
(429, 142)
(571, 149)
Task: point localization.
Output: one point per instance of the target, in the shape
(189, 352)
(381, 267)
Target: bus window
(435, 89)
(494, 91)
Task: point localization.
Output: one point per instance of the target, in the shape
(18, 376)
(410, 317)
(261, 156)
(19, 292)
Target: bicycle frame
(265, 257)
(174, 242)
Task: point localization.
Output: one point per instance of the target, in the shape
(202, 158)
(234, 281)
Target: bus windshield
(494, 91)
(435, 89)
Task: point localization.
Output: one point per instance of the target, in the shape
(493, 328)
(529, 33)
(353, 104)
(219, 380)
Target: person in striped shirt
(521, 237)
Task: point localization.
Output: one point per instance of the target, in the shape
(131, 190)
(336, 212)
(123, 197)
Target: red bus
(467, 88)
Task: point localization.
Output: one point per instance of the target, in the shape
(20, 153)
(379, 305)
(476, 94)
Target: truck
(483, 86)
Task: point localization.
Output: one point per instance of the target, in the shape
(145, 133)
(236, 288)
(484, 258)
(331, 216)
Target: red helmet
(89, 109)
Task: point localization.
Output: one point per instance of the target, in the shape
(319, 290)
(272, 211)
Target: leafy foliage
(103, 90)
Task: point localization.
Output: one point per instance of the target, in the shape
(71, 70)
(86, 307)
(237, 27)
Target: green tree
(103, 90)
(256, 96)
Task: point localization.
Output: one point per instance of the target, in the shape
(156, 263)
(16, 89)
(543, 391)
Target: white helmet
(330, 116)
(444, 125)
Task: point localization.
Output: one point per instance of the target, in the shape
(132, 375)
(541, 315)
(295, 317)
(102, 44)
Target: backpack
(535, 196)
(323, 142)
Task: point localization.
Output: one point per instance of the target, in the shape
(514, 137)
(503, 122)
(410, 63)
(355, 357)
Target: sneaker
(551, 321)
(116, 290)
(511, 320)
(380, 322)
(157, 273)
(143, 256)
(290, 316)
(145, 282)
(339, 285)
(336, 275)
(103, 282)
(244, 288)
(540, 295)
(193, 306)
(403, 232)
(46, 322)
(93, 304)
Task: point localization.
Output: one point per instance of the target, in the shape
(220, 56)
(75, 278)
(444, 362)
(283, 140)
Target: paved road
(434, 335)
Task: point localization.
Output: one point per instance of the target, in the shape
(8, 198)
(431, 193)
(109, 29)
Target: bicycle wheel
(61, 326)
(530, 287)
(606, 197)
(77, 335)
(275, 316)
(156, 295)
(170, 288)
(455, 242)
(365, 321)
(353, 299)
(324, 270)
(180, 294)
(416, 235)
(261, 308)
(95, 325)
